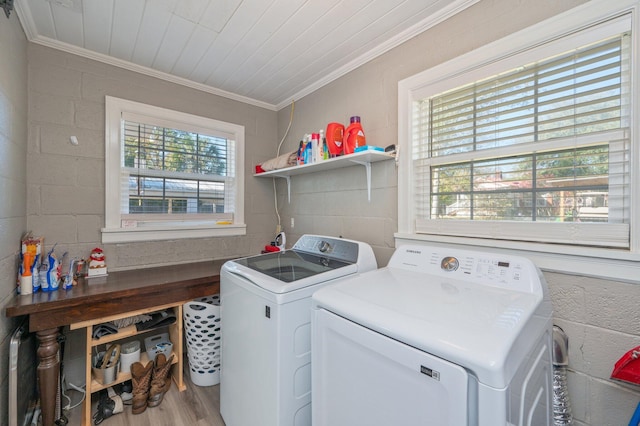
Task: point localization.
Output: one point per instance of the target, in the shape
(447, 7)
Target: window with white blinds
(175, 172)
(537, 152)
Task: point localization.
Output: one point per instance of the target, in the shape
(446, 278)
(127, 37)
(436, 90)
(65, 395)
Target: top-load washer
(441, 336)
(265, 374)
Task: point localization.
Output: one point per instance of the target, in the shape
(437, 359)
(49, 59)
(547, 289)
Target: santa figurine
(97, 265)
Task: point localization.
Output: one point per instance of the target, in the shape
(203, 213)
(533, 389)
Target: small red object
(270, 248)
(259, 169)
(627, 368)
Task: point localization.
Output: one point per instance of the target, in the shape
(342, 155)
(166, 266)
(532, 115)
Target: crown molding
(416, 29)
(29, 28)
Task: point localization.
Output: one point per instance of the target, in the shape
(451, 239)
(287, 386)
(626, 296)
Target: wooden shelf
(123, 376)
(122, 333)
(175, 335)
(364, 158)
(83, 324)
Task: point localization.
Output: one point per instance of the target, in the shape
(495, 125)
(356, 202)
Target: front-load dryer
(441, 336)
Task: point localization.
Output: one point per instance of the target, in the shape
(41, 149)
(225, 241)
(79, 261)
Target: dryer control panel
(513, 272)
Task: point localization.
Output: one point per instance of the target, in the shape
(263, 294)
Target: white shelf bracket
(288, 179)
(367, 166)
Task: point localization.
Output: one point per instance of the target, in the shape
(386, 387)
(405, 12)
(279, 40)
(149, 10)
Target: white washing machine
(265, 375)
(441, 337)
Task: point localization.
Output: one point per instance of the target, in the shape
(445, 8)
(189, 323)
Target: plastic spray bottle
(308, 156)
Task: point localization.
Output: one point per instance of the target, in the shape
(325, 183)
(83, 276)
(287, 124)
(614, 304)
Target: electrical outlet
(292, 223)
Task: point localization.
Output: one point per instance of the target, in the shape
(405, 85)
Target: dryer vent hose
(561, 404)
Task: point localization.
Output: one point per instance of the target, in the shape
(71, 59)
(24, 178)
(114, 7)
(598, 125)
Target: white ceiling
(265, 52)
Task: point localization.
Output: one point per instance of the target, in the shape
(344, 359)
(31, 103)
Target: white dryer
(441, 336)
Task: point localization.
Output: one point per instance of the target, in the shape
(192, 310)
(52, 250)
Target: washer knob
(324, 246)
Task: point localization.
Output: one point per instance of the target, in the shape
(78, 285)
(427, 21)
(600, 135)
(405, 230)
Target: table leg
(48, 373)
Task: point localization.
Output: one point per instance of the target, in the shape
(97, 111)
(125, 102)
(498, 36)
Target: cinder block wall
(56, 189)
(602, 321)
(601, 317)
(13, 194)
(66, 182)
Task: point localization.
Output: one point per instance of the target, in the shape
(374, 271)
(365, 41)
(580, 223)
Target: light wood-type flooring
(196, 406)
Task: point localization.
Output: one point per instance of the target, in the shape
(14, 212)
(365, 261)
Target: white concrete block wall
(13, 188)
(57, 190)
(601, 317)
(62, 195)
(602, 321)
(66, 182)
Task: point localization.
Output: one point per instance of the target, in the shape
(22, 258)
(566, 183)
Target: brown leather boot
(161, 381)
(141, 380)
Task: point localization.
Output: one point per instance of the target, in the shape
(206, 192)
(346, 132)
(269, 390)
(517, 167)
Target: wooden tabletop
(117, 293)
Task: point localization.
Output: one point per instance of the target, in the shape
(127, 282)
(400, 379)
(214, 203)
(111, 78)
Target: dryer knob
(324, 246)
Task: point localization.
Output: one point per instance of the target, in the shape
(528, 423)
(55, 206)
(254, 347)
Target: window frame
(114, 232)
(561, 30)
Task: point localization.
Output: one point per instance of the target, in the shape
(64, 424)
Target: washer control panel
(335, 248)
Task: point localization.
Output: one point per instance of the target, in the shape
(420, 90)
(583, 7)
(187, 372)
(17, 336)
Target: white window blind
(175, 174)
(535, 153)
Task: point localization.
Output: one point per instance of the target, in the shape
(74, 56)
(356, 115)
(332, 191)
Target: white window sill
(128, 235)
(613, 264)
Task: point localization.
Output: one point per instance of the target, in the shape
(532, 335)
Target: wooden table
(117, 293)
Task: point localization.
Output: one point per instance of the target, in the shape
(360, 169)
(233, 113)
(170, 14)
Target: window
(538, 143)
(527, 141)
(171, 174)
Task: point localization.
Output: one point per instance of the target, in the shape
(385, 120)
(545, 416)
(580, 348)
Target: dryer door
(360, 377)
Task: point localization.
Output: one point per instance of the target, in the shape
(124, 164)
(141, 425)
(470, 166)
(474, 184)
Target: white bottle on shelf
(315, 153)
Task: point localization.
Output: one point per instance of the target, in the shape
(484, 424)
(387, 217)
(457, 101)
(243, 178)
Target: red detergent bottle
(335, 135)
(353, 136)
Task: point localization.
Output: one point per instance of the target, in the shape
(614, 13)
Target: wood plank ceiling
(265, 52)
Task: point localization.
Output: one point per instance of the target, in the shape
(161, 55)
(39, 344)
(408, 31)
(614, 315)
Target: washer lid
(286, 271)
(314, 259)
(291, 265)
(472, 325)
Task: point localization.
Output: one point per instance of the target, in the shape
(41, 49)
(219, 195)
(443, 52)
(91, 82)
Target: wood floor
(196, 406)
